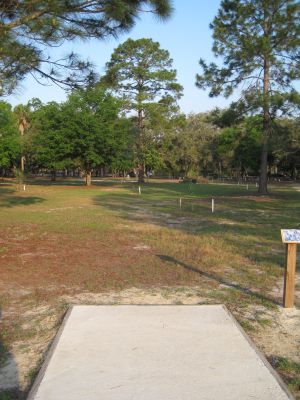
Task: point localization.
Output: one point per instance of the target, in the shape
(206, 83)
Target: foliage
(192, 145)
(286, 146)
(10, 145)
(85, 132)
(29, 28)
(50, 148)
(247, 34)
(119, 154)
(91, 126)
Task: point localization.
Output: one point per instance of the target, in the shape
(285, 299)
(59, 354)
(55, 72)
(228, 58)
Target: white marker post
(24, 188)
(140, 192)
(212, 205)
(291, 237)
(180, 203)
(247, 187)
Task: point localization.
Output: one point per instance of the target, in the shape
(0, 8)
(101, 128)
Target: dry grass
(65, 243)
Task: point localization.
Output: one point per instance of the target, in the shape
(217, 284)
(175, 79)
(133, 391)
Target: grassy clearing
(59, 241)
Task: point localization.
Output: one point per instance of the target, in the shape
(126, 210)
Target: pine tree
(259, 42)
(29, 28)
(141, 72)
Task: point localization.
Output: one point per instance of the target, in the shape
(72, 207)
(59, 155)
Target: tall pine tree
(259, 42)
(142, 74)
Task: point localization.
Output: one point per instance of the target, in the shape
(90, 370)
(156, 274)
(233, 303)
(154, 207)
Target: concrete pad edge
(48, 356)
(260, 355)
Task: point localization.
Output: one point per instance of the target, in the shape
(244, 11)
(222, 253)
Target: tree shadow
(217, 278)
(8, 201)
(249, 225)
(74, 182)
(236, 213)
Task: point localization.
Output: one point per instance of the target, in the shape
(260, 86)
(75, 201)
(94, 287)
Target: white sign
(290, 235)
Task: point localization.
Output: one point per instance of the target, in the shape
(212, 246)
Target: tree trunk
(263, 173)
(22, 126)
(21, 130)
(141, 174)
(22, 163)
(141, 167)
(88, 178)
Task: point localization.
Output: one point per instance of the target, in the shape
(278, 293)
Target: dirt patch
(281, 337)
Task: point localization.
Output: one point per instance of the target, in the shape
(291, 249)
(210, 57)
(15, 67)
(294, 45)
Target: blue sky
(186, 36)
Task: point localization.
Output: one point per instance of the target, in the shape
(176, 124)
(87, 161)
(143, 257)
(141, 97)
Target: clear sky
(186, 36)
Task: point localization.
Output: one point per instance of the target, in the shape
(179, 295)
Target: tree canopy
(29, 28)
(10, 144)
(84, 132)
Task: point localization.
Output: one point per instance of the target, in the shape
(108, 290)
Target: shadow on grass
(74, 182)
(249, 225)
(237, 210)
(243, 218)
(9, 201)
(217, 278)
(9, 198)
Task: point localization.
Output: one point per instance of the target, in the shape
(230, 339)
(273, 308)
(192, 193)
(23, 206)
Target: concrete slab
(155, 353)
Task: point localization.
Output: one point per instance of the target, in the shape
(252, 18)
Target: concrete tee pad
(154, 353)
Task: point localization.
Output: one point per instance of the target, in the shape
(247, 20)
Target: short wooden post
(291, 237)
(180, 203)
(289, 275)
(140, 192)
(212, 205)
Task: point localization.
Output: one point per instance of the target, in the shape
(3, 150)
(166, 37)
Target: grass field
(64, 243)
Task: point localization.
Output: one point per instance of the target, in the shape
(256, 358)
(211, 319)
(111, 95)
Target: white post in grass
(180, 203)
(24, 188)
(247, 187)
(212, 205)
(140, 192)
(255, 184)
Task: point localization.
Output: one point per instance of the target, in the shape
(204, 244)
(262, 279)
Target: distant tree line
(91, 134)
